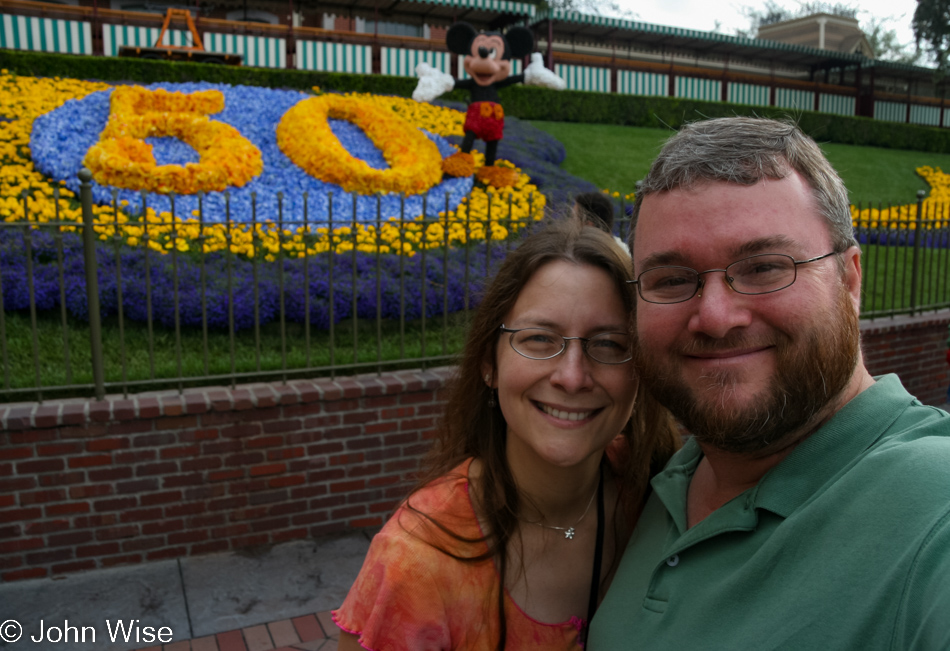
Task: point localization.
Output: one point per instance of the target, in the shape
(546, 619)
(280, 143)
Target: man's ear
(459, 38)
(520, 42)
(852, 274)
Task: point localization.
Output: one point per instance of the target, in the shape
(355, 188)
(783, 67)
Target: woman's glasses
(541, 343)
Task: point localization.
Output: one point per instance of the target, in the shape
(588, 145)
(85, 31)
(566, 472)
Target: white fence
(46, 34)
(334, 57)
(584, 77)
(116, 36)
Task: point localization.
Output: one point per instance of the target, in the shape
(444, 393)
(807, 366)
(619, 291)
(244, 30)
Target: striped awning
(572, 26)
(481, 13)
(497, 6)
(904, 71)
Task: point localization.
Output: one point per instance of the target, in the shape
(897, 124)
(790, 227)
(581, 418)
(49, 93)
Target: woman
(519, 492)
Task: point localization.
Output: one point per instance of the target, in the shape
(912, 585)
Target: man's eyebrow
(770, 244)
(662, 259)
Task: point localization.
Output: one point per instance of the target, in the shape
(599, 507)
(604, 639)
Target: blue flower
(61, 138)
(398, 277)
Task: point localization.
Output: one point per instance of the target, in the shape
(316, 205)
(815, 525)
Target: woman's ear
(488, 375)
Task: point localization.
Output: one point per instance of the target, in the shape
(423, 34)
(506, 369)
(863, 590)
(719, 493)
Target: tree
(932, 27)
(773, 13)
(886, 45)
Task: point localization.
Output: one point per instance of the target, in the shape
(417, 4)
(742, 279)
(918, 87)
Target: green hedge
(146, 71)
(670, 112)
(520, 101)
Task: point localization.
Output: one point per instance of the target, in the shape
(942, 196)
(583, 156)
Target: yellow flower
(122, 158)
(304, 135)
(905, 217)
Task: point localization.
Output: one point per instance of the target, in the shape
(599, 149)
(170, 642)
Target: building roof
(822, 30)
(575, 26)
(492, 13)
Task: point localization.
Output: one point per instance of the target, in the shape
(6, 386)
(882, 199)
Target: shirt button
(673, 560)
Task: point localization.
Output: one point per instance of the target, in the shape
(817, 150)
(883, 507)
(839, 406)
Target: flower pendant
(569, 533)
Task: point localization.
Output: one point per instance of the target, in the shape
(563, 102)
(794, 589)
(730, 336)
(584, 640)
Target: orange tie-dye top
(410, 596)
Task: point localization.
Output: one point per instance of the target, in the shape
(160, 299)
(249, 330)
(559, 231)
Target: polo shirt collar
(854, 429)
(851, 431)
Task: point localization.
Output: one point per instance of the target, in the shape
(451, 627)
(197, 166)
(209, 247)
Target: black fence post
(92, 283)
(915, 263)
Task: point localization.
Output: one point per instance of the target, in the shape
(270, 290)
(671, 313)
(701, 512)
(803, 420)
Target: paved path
(273, 597)
(306, 633)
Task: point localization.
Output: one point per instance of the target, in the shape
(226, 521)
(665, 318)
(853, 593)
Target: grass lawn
(252, 360)
(608, 156)
(888, 278)
(615, 157)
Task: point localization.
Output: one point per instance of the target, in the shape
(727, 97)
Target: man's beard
(811, 372)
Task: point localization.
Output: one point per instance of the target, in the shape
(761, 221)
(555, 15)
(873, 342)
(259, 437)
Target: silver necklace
(568, 531)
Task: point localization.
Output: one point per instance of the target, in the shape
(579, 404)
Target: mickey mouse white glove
(537, 75)
(432, 83)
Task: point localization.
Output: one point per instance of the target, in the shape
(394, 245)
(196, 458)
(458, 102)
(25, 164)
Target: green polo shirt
(843, 545)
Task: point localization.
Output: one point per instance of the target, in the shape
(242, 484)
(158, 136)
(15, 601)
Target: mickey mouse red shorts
(486, 120)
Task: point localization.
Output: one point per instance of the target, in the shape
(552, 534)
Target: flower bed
(60, 139)
(56, 124)
(400, 283)
(936, 207)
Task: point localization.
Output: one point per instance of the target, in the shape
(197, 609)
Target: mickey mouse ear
(459, 37)
(520, 42)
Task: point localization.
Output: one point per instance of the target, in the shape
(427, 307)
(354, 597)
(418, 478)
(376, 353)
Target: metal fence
(906, 257)
(95, 307)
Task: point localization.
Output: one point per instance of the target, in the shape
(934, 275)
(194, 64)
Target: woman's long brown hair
(472, 428)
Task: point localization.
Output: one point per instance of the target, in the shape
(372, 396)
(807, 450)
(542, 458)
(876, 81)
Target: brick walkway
(307, 633)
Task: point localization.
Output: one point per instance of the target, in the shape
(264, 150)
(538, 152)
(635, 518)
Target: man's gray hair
(746, 150)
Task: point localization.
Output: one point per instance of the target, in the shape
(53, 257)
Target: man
(811, 507)
(596, 209)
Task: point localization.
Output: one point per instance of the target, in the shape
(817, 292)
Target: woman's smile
(567, 414)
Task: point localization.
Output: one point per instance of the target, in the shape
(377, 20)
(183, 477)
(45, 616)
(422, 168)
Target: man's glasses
(758, 274)
(541, 343)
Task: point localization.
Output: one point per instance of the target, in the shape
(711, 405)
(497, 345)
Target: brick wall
(87, 484)
(914, 347)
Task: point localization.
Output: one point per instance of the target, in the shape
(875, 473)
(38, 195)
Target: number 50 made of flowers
(123, 159)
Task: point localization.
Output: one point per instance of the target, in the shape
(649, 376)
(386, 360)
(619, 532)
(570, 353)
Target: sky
(703, 14)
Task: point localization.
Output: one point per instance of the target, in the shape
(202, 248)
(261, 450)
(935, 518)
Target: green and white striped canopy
(481, 13)
(572, 26)
(498, 6)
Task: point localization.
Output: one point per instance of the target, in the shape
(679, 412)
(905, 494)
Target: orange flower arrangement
(304, 135)
(459, 164)
(123, 159)
(497, 176)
